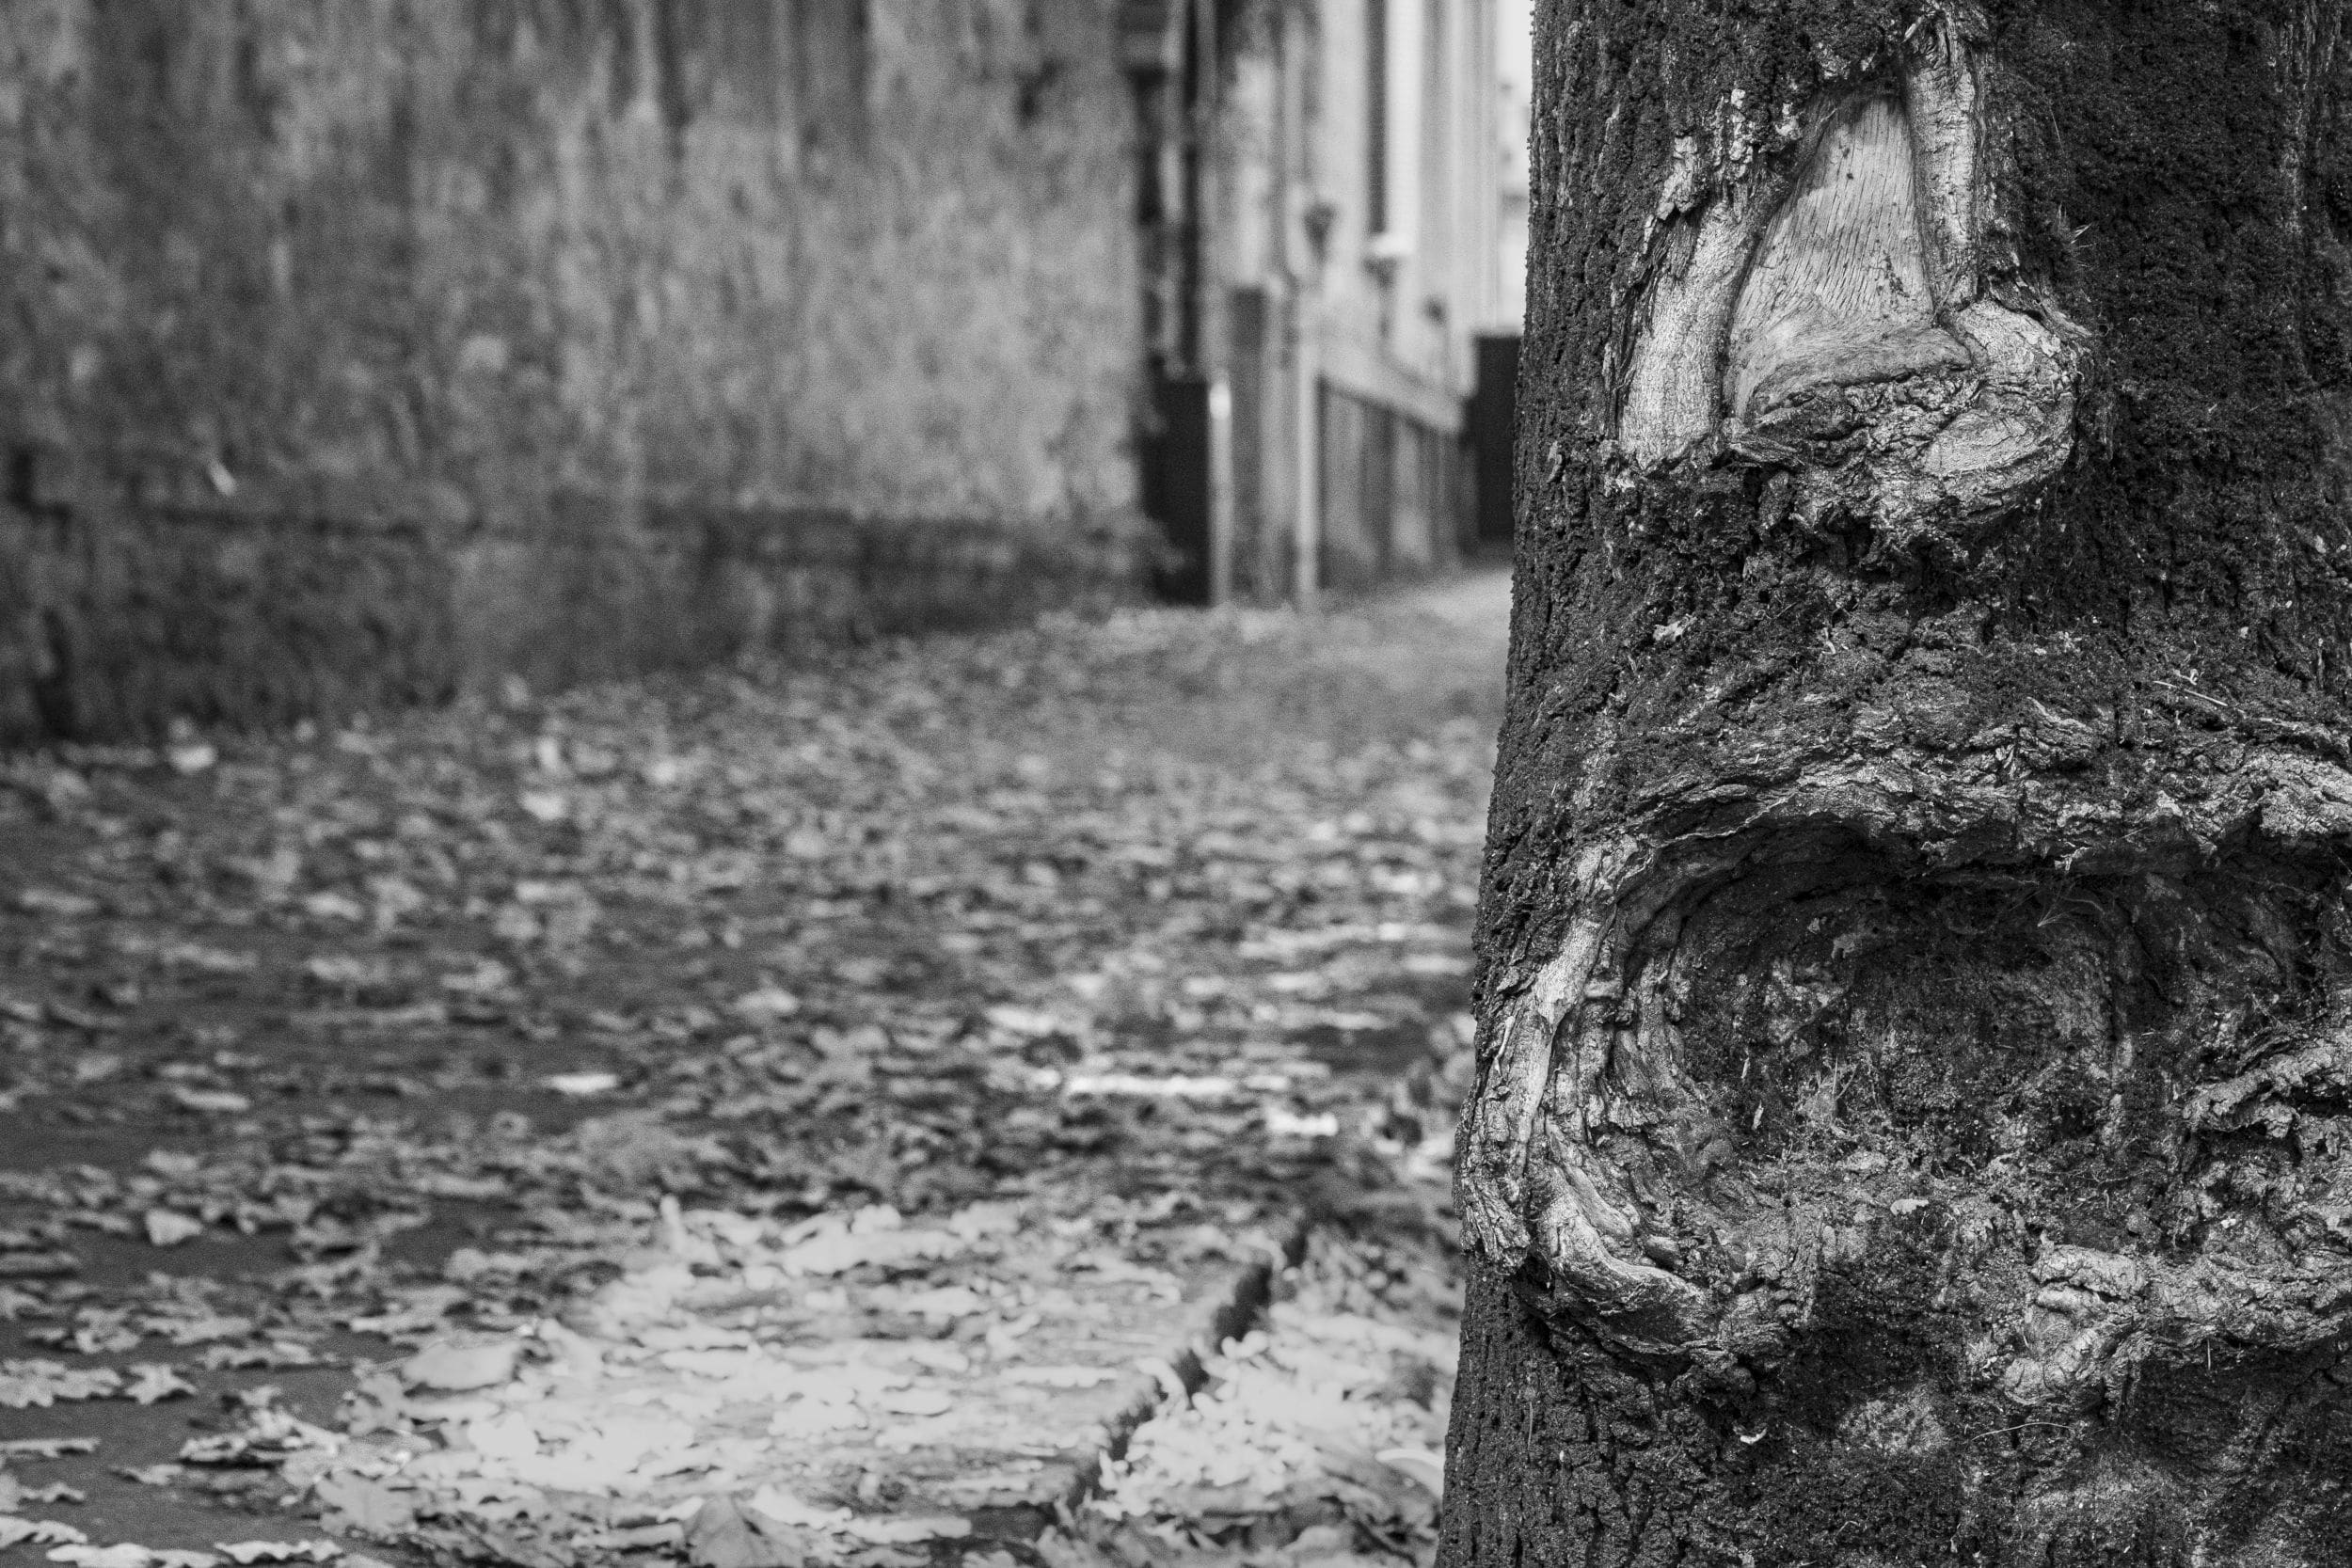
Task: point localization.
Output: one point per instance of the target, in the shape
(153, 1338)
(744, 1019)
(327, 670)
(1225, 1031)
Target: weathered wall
(357, 351)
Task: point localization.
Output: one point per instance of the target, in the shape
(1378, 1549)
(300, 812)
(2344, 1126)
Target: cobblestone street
(882, 1081)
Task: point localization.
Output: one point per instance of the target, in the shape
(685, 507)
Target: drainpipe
(1305, 315)
(1307, 530)
(1210, 344)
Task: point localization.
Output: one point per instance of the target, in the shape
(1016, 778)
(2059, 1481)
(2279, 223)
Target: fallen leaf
(369, 1506)
(581, 1085)
(213, 1102)
(487, 976)
(203, 1329)
(941, 1302)
(44, 1383)
(248, 1552)
(723, 1536)
(770, 1001)
(1029, 1022)
(191, 756)
(125, 1556)
(155, 1379)
(50, 901)
(904, 1531)
(1142, 1086)
(278, 1353)
(1061, 1377)
(41, 1532)
(1425, 1466)
(1288, 1124)
(153, 1475)
(508, 1434)
(168, 1227)
(807, 1418)
(773, 1502)
(917, 1401)
(47, 1264)
(978, 1220)
(1056, 1549)
(45, 1448)
(456, 1369)
(544, 805)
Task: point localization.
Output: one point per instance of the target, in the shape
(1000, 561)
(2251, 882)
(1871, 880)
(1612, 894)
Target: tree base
(1562, 1452)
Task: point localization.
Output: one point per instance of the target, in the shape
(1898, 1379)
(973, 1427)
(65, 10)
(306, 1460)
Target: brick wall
(359, 350)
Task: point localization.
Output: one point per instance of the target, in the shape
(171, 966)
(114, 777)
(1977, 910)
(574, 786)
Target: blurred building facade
(362, 354)
(1328, 191)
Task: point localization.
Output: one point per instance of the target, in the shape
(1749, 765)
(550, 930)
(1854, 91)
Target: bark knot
(1836, 320)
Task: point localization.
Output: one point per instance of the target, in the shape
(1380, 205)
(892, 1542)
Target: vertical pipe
(1221, 519)
(1192, 229)
(1305, 367)
(1376, 192)
(1308, 578)
(1212, 187)
(1274, 392)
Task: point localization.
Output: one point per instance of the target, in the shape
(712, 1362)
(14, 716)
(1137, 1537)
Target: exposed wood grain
(1839, 290)
(1820, 315)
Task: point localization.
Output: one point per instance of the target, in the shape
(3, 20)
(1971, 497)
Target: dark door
(1493, 417)
(1175, 474)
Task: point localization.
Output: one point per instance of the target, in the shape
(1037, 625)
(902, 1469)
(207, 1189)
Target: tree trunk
(1914, 1113)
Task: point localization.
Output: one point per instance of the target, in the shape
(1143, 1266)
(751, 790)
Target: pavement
(981, 1098)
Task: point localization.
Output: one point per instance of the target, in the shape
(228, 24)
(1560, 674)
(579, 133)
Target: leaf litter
(780, 1115)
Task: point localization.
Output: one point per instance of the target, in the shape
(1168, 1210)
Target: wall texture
(355, 352)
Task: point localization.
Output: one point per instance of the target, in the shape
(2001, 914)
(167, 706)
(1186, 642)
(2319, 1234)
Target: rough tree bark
(1914, 1113)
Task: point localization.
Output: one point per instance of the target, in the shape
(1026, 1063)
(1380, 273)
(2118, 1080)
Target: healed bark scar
(1835, 317)
(1608, 1162)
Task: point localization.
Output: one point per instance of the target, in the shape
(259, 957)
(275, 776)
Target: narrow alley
(840, 1111)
